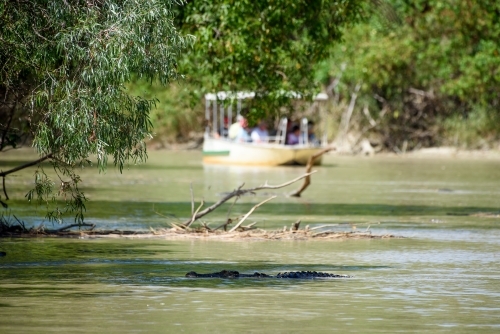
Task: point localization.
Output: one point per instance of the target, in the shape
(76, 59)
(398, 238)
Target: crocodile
(291, 274)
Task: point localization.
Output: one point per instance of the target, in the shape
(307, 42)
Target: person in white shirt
(260, 133)
(240, 132)
(235, 128)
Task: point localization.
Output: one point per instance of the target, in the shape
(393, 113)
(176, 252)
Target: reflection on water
(442, 278)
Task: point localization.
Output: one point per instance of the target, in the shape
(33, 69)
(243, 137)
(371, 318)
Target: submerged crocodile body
(291, 274)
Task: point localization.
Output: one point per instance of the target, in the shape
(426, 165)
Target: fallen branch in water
(67, 227)
(310, 163)
(238, 192)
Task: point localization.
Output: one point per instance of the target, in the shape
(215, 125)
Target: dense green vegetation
(429, 72)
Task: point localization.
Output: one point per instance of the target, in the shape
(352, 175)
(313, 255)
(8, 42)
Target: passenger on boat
(311, 135)
(243, 136)
(234, 129)
(260, 133)
(224, 131)
(294, 136)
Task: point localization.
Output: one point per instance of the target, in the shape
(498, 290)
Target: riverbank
(450, 152)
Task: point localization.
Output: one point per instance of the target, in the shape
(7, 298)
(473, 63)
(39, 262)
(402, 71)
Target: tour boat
(218, 148)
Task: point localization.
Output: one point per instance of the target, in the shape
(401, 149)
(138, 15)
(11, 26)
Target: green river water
(443, 277)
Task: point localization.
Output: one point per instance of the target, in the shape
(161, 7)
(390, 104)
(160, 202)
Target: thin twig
(228, 222)
(249, 213)
(249, 226)
(194, 214)
(192, 198)
(205, 225)
(232, 205)
(179, 227)
(21, 223)
(322, 226)
(346, 117)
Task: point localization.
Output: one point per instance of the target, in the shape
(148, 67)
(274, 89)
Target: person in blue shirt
(243, 136)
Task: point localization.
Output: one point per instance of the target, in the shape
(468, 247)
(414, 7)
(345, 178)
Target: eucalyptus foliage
(63, 70)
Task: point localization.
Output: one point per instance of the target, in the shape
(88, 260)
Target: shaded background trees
(429, 72)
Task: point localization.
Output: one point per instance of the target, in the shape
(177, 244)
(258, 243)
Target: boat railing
(304, 132)
(281, 134)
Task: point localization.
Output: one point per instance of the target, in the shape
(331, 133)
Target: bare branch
(366, 111)
(92, 226)
(310, 163)
(13, 170)
(194, 214)
(29, 164)
(192, 197)
(229, 221)
(346, 117)
(249, 213)
(239, 192)
(4, 189)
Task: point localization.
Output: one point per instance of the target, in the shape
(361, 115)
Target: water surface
(443, 277)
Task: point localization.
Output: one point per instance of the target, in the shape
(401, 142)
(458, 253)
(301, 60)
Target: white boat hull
(222, 151)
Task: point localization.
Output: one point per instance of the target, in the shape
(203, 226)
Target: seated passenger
(260, 133)
(234, 129)
(294, 136)
(242, 135)
(311, 136)
(224, 131)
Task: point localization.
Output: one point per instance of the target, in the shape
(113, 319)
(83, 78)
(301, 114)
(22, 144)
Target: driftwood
(238, 192)
(307, 179)
(203, 232)
(67, 227)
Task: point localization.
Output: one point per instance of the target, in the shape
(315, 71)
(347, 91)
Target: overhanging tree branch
(26, 165)
(18, 168)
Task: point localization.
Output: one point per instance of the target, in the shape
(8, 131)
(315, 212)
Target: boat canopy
(250, 95)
